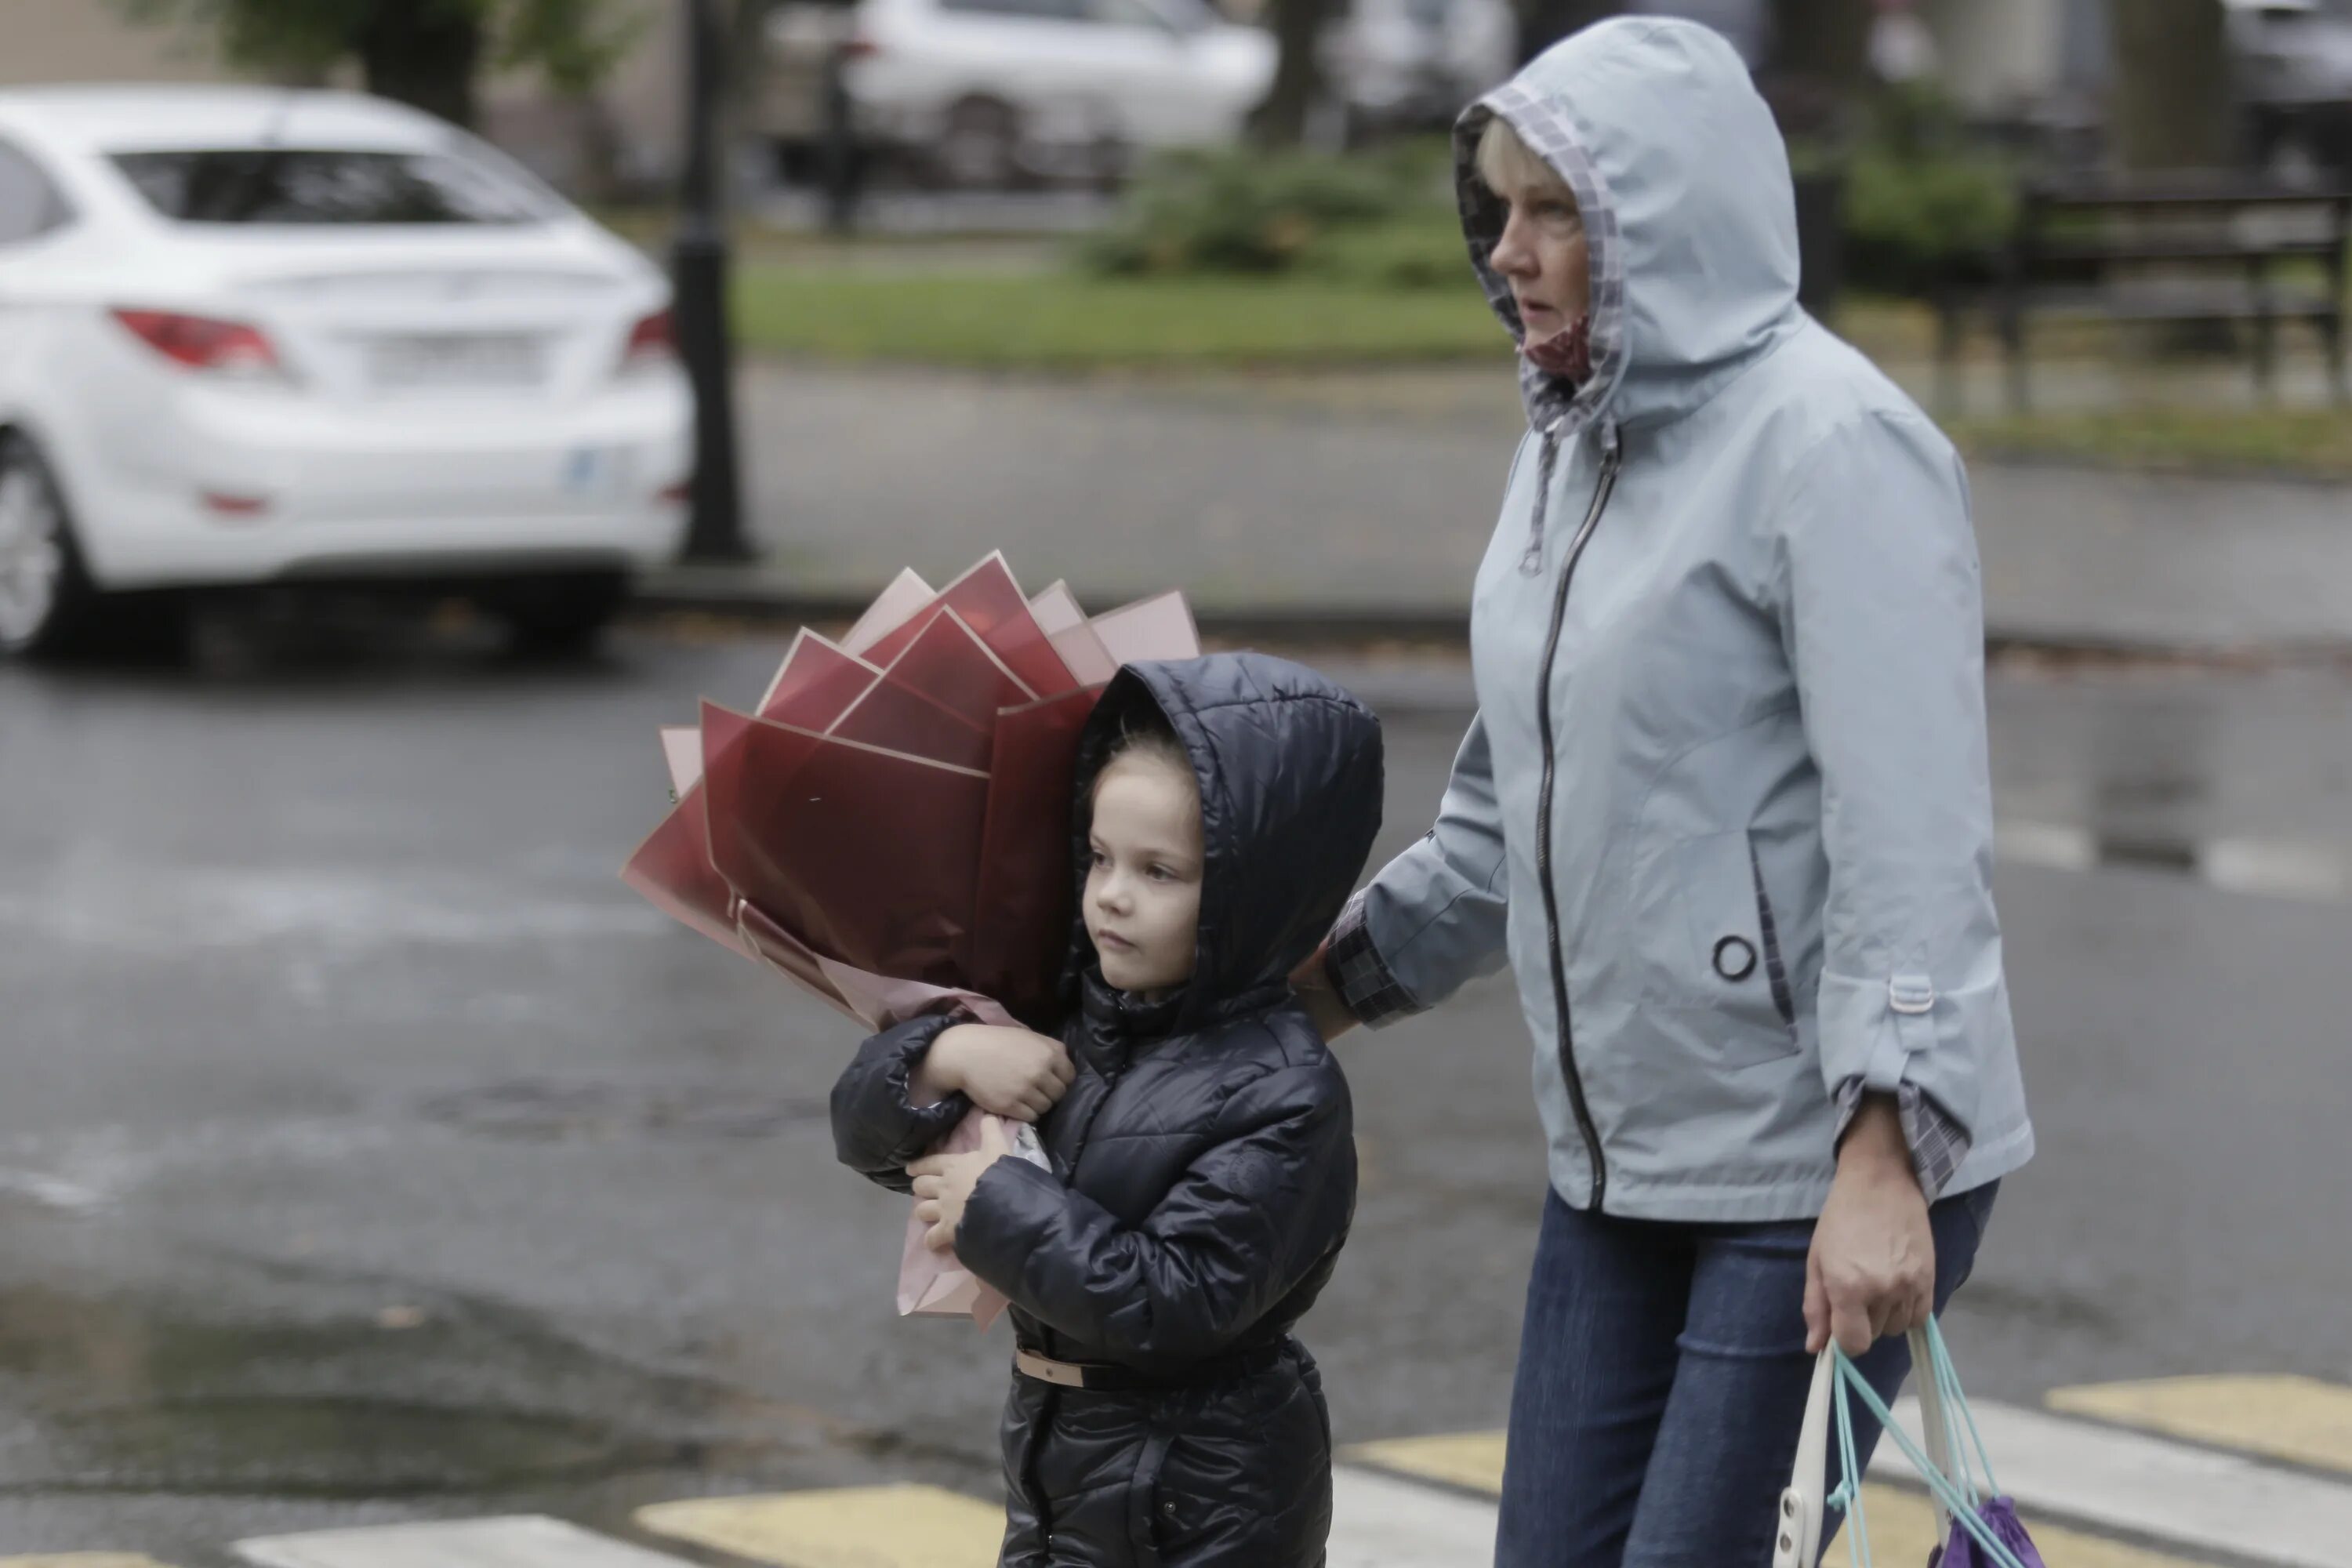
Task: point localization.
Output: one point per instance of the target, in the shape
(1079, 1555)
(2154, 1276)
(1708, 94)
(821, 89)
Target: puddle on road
(101, 1395)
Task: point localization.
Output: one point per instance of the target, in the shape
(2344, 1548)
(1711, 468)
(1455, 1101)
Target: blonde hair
(1507, 164)
(1148, 736)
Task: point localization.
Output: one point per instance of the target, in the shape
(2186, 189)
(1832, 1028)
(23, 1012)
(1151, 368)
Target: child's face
(1143, 887)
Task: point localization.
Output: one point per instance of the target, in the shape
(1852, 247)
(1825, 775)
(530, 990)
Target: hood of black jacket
(1289, 765)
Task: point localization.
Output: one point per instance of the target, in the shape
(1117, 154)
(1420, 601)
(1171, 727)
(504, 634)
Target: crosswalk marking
(522, 1541)
(2103, 1474)
(1378, 1523)
(1902, 1527)
(2299, 1419)
(1902, 1523)
(859, 1526)
(2193, 1499)
(1471, 1460)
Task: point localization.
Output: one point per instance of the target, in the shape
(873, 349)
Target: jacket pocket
(1732, 964)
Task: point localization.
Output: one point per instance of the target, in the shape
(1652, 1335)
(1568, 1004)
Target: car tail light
(202, 342)
(652, 342)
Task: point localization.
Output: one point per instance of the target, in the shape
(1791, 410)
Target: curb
(752, 596)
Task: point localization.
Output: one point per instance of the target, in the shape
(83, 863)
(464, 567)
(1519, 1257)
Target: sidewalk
(1359, 506)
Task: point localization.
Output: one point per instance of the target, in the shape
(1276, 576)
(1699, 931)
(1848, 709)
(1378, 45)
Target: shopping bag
(1977, 1525)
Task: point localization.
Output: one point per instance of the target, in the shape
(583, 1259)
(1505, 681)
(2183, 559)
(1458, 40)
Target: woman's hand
(1871, 1273)
(1006, 1071)
(1312, 982)
(943, 1184)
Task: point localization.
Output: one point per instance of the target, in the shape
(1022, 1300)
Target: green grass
(1047, 320)
(1053, 319)
(2317, 442)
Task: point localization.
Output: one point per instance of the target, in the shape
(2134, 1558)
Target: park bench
(2181, 250)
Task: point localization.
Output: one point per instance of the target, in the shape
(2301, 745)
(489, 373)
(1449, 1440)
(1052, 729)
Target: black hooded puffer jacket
(1203, 1160)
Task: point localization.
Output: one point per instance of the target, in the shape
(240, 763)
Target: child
(1203, 1163)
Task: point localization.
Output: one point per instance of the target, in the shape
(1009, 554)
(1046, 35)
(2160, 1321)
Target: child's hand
(943, 1183)
(1005, 1071)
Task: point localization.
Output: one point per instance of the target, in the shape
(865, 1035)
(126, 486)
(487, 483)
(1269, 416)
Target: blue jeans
(1661, 1381)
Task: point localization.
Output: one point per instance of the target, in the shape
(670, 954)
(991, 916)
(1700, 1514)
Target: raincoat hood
(1683, 183)
(1289, 767)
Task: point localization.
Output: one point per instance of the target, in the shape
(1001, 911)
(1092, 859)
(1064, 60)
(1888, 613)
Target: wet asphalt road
(367, 1151)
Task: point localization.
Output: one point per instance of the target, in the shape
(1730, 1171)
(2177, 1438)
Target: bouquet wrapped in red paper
(891, 826)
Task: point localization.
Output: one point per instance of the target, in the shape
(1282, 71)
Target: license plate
(397, 364)
(595, 471)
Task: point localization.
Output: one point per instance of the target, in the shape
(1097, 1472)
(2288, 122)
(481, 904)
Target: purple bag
(1998, 1516)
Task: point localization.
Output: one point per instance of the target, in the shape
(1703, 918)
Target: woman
(1724, 809)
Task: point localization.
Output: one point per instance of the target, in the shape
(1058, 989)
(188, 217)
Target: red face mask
(1567, 353)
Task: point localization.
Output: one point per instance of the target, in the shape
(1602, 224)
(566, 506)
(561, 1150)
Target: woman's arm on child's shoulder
(887, 1109)
(1251, 1218)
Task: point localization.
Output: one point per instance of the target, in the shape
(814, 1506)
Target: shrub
(1923, 204)
(1248, 210)
(1422, 251)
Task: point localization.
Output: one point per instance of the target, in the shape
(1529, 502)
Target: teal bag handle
(1944, 1418)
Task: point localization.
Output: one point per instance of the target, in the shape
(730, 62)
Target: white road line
(2051, 844)
(1382, 1522)
(2166, 1492)
(523, 1540)
(2265, 867)
(2191, 1500)
(2276, 868)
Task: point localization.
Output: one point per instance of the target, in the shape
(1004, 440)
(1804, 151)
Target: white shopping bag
(1975, 1524)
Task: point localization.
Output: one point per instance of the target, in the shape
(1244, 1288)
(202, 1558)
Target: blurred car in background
(2294, 61)
(985, 94)
(256, 335)
(1413, 65)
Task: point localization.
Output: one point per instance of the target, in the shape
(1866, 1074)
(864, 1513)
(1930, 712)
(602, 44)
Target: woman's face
(1542, 256)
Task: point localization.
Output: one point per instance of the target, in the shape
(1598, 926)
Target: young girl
(1203, 1164)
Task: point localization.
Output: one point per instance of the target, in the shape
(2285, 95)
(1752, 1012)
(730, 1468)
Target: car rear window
(317, 186)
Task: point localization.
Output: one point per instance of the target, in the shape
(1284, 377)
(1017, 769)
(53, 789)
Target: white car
(252, 335)
(995, 91)
(1416, 64)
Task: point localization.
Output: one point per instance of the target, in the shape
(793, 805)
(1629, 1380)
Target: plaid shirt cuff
(1937, 1144)
(1360, 974)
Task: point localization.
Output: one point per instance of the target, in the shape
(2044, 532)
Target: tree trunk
(1543, 23)
(2171, 102)
(747, 64)
(1826, 42)
(1820, 66)
(1281, 119)
(423, 53)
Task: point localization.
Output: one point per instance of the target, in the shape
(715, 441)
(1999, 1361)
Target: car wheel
(560, 616)
(45, 598)
(979, 147)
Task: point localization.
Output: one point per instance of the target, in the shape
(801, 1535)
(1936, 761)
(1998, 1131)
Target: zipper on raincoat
(1612, 457)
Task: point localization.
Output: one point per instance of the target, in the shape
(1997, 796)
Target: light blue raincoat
(1725, 807)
